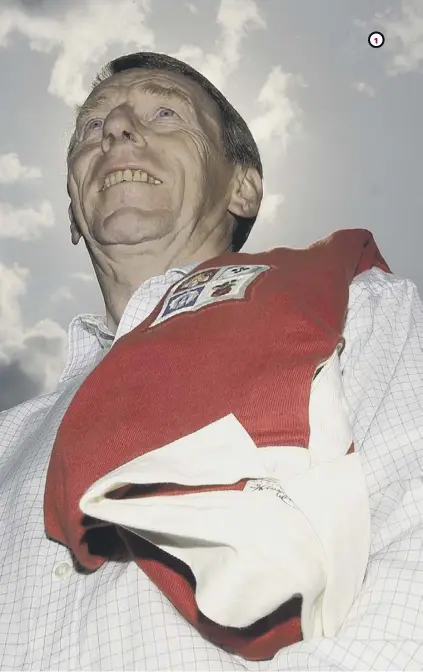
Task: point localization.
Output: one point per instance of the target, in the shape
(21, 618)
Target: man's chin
(130, 227)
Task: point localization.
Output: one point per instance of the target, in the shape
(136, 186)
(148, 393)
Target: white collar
(88, 335)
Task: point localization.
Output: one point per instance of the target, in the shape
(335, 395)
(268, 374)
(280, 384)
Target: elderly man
(165, 183)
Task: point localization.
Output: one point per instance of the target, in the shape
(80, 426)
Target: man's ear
(75, 234)
(247, 192)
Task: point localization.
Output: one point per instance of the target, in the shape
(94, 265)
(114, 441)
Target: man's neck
(117, 300)
(119, 285)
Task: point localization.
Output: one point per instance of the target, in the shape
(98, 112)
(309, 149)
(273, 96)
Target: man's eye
(91, 125)
(165, 112)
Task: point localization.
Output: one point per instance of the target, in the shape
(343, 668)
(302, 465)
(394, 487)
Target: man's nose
(120, 127)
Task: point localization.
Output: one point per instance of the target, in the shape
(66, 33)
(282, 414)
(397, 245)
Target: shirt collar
(89, 337)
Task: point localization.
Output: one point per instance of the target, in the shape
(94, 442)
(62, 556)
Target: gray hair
(239, 146)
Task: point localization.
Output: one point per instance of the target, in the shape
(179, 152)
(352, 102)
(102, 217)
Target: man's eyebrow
(165, 91)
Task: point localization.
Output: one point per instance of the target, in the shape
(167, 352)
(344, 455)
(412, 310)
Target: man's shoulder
(30, 409)
(27, 416)
(384, 313)
(377, 286)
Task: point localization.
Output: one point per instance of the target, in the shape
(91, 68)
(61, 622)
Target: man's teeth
(129, 176)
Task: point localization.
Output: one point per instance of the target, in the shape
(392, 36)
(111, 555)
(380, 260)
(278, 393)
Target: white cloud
(266, 231)
(192, 8)
(403, 36)
(269, 207)
(236, 19)
(364, 88)
(36, 354)
(281, 115)
(85, 277)
(13, 284)
(25, 224)
(6, 26)
(83, 36)
(12, 170)
(61, 294)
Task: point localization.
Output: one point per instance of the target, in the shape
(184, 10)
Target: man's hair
(239, 146)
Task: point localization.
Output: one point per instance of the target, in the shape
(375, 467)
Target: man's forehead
(166, 79)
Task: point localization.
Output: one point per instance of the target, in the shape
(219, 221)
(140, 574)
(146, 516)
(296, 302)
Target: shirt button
(63, 570)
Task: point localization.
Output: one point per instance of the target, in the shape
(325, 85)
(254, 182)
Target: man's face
(147, 160)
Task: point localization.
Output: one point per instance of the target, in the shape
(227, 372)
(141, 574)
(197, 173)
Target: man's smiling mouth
(129, 176)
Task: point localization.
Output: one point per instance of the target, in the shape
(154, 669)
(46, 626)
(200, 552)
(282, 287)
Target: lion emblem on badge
(199, 279)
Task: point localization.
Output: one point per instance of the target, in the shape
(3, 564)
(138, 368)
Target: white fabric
(249, 550)
(54, 618)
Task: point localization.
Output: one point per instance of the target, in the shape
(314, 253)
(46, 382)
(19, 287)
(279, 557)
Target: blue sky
(337, 124)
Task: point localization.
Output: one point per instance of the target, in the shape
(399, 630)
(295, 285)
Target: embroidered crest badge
(209, 286)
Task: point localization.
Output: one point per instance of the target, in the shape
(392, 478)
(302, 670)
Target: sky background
(338, 125)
